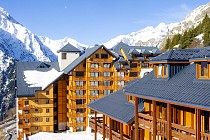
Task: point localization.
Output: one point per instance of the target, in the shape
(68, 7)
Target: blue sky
(95, 21)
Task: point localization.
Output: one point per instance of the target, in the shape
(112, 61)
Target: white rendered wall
(70, 57)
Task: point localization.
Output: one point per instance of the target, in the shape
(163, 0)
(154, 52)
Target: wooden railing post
(169, 121)
(121, 131)
(198, 124)
(154, 120)
(136, 119)
(110, 128)
(95, 126)
(104, 136)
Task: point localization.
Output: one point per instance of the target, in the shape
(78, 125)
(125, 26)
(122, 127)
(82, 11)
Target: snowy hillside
(155, 36)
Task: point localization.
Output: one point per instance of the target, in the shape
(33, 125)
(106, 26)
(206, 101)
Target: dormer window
(161, 70)
(63, 55)
(202, 70)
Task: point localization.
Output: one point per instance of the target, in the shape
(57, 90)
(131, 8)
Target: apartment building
(53, 96)
(171, 102)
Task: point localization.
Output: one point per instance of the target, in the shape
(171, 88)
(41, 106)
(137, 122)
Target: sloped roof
(25, 89)
(88, 53)
(68, 48)
(176, 55)
(116, 106)
(183, 88)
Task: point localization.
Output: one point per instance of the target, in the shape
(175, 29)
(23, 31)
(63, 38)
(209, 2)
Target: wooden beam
(121, 131)
(174, 115)
(169, 121)
(110, 128)
(95, 126)
(198, 124)
(136, 119)
(154, 120)
(104, 136)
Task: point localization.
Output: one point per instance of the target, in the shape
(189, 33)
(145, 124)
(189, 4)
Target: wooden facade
(92, 79)
(46, 112)
(63, 105)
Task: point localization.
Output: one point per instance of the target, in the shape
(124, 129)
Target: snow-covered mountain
(17, 43)
(156, 36)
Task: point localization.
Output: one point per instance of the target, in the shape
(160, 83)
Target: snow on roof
(39, 78)
(64, 136)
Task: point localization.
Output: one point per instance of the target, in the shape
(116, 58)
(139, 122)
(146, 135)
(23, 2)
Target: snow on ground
(32, 77)
(64, 136)
(200, 37)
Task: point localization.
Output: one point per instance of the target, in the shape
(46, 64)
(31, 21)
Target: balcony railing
(24, 116)
(162, 127)
(115, 135)
(75, 115)
(182, 132)
(145, 121)
(75, 106)
(76, 97)
(205, 136)
(76, 124)
(24, 125)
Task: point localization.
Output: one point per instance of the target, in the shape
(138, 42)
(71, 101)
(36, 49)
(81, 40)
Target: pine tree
(168, 42)
(175, 40)
(206, 36)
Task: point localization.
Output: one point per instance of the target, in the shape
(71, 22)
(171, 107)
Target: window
(94, 65)
(36, 110)
(133, 74)
(79, 101)
(79, 92)
(63, 55)
(104, 56)
(94, 92)
(36, 119)
(79, 83)
(47, 110)
(47, 92)
(120, 83)
(96, 55)
(120, 74)
(162, 70)
(26, 103)
(47, 119)
(92, 100)
(107, 92)
(80, 110)
(26, 112)
(47, 101)
(94, 83)
(107, 65)
(36, 101)
(107, 74)
(26, 120)
(94, 74)
(204, 69)
(36, 128)
(133, 65)
(107, 83)
(80, 74)
(79, 119)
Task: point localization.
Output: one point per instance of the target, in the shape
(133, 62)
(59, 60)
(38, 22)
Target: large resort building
(53, 96)
(171, 102)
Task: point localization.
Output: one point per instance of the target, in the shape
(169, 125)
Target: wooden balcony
(69, 97)
(79, 78)
(76, 124)
(75, 106)
(145, 121)
(24, 125)
(115, 135)
(24, 116)
(182, 132)
(74, 88)
(25, 107)
(178, 131)
(75, 115)
(162, 127)
(98, 60)
(205, 136)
